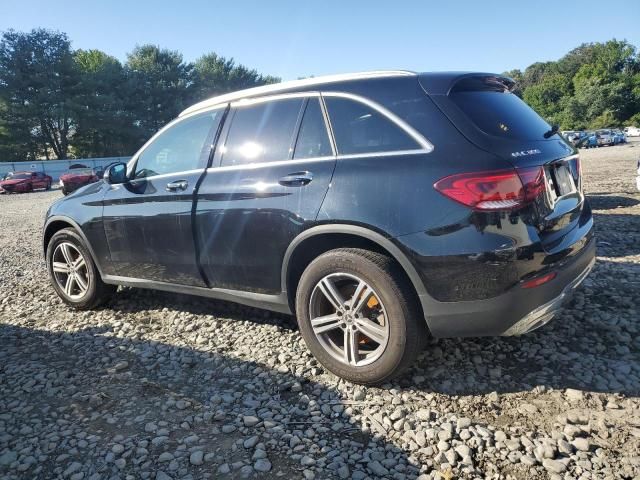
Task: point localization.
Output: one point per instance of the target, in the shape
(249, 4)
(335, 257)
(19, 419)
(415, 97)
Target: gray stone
(196, 458)
(262, 465)
(554, 466)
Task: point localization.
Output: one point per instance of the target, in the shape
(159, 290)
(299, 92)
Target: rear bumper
(515, 312)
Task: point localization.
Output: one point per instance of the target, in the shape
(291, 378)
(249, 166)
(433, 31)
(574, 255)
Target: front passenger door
(147, 220)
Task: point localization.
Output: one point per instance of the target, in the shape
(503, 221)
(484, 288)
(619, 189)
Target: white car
(632, 131)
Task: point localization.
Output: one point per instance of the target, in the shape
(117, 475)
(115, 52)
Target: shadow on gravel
(610, 202)
(618, 235)
(591, 345)
(88, 390)
(132, 300)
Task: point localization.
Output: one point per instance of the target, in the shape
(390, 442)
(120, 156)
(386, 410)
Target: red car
(25, 182)
(76, 178)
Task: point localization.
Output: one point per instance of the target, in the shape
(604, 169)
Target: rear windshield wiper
(552, 132)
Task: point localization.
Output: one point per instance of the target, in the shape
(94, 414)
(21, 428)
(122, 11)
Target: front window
(183, 146)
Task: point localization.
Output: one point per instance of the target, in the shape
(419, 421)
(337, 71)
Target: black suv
(379, 208)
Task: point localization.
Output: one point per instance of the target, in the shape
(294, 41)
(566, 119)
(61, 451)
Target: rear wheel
(358, 315)
(73, 273)
(48, 187)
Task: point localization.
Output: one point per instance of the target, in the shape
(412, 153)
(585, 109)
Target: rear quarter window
(360, 129)
(500, 114)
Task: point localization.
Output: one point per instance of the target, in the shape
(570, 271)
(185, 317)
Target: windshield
(18, 176)
(501, 114)
(80, 171)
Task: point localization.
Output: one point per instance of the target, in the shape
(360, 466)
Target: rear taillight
(536, 282)
(496, 190)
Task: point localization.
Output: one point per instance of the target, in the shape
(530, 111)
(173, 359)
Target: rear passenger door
(272, 171)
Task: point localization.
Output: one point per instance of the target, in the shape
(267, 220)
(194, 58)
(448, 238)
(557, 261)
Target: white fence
(55, 168)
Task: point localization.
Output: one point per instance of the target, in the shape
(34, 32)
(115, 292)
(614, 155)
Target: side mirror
(116, 173)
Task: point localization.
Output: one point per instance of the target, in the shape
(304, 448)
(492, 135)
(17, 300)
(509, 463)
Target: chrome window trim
(257, 165)
(282, 96)
(167, 175)
(328, 127)
(413, 133)
(427, 147)
(306, 82)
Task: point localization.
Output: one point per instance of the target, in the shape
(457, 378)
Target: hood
(13, 181)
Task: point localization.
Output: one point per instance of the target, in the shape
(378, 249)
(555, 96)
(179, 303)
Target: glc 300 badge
(524, 153)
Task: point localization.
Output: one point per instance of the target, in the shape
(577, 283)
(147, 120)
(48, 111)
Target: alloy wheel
(349, 319)
(70, 270)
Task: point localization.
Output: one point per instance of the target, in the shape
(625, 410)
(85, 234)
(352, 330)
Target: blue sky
(301, 38)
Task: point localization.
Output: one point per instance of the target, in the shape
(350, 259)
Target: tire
(96, 292)
(394, 309)
(48, 187)
(64, 192)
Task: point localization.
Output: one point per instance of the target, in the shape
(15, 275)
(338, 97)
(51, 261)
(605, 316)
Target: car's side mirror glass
(116, 173)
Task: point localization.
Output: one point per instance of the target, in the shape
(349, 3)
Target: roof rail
(306, 82)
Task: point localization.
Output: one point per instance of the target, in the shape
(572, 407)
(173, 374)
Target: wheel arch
(320, 239)
(58, 222)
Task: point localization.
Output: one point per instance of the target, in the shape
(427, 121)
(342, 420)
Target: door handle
(177, 185)
(296, 179)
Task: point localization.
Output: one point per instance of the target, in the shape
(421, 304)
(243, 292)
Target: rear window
(500, 114)
(262, 132)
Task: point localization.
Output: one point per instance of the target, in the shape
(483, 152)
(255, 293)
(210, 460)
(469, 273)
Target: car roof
(432, 83)
(294, 85)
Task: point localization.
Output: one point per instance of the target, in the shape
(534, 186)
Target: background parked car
(573, 137)
(589, 140)
(25, 182)
(619, 137)
(632, 131)
(605, 137)
(75, 178)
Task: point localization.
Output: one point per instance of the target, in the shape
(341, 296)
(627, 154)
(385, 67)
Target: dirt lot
(164, 387)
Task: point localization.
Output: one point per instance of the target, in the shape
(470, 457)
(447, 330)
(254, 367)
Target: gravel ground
(164, 386)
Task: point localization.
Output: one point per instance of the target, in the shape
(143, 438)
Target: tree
(594, 85)
(105, 127)
(158, 86)
(546, 96)
(214, 75)
(38, 84)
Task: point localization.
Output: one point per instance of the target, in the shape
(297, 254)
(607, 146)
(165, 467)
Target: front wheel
(358, 315)
(48, 186)
(73, 273)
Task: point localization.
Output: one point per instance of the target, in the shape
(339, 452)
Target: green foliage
(38, 84)
(214, 75)
(158, 86)
(59, 103)
(593, 86)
